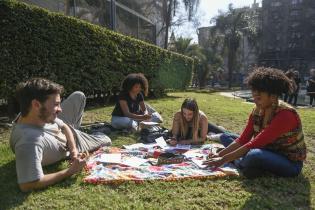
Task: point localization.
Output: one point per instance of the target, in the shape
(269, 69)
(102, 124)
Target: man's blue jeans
(258, 161)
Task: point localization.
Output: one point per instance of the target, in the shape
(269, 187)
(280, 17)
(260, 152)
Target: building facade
(248, 51)
(288, 34)
(141, 19)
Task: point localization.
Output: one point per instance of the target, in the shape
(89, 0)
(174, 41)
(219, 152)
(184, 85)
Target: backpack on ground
(149, 134)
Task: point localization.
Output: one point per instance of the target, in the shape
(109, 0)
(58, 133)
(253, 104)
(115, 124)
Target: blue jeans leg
(258, 161)
(214, 128)
(124, 122)
(227, 138)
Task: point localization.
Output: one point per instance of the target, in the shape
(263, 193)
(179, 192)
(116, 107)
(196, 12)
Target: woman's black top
(133, 104)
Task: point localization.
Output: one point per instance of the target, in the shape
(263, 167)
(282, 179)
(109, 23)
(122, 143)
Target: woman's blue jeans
(258, 161)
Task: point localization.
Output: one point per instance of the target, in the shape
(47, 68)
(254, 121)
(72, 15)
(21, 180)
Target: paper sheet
(183, 146)
(134, 161)
(199, 162)
(134, 146)
(110, 158)
(178, 147)
(161, 142)
(190, 154)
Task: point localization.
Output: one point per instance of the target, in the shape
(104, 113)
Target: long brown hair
(190, 104)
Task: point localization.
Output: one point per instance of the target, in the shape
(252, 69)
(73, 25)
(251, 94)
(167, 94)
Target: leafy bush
(77, 54)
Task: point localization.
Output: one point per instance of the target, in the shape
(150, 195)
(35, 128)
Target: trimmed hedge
(79, 55)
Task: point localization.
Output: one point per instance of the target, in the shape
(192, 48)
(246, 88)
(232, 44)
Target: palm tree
(182, 46)
(206, 59)
(234, 24)
(169, 9)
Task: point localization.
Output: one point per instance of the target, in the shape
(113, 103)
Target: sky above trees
(207, 10)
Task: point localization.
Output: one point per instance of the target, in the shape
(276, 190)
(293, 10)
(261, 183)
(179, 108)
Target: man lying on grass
(42, 134)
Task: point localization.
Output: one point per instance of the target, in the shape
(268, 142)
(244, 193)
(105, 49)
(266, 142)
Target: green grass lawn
(221, 193)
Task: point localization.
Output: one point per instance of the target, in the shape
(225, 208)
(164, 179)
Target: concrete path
(303, 99)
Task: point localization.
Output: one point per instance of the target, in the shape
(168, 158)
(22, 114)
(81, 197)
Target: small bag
(149, 134)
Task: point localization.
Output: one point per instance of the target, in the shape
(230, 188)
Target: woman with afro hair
(273, 139)
(130, 108)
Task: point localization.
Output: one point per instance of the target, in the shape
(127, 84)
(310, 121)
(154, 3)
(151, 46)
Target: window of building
(278, 36)
(277, 25)
(296, 35)
(275, 16)
(295, 2)
(276, 4)
(131, 17)
(294, 25)
(96, 12)
(295, 45)
(310, 12)
(294, 13)
(292, 45)
(61, 6)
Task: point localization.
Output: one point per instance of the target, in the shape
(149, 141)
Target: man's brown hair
(36, 88)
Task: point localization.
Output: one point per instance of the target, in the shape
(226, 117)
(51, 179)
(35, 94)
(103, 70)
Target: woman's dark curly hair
(270, 80)
(135, 78)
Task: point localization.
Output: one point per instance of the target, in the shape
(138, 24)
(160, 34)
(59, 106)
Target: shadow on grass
(166, 97)
(10, 194)
(58, 166)
(120, 139)
(278, 193)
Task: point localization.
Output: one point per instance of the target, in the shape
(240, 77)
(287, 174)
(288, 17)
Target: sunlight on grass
(227, 193)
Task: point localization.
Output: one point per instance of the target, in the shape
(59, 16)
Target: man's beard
(44, 115)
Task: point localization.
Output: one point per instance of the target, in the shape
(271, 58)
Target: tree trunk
(231, 60)
(67, 7)
(230, 67)
(167, 7)
(203, 75)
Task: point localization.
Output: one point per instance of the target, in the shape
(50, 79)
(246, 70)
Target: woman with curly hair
(273, 139)
(130, 108)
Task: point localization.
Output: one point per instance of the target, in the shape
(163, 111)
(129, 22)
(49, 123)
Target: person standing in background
(310, 87)
(295, 94)
(289, 96)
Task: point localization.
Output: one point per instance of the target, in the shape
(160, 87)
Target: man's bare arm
(50, 179)
(70, 141)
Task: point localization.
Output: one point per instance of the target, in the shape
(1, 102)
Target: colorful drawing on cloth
(141, 164)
